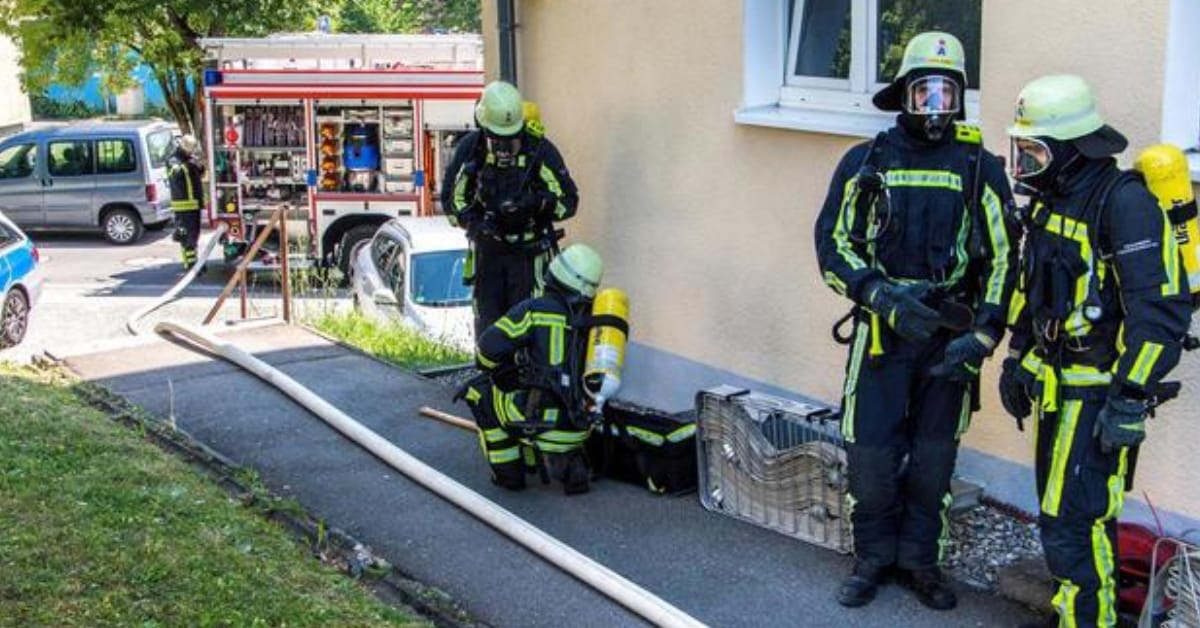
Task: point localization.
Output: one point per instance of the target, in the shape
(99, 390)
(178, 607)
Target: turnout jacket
(1101, 281)
(537, 346)
(538, 181)
(187, 186)
(935, 230)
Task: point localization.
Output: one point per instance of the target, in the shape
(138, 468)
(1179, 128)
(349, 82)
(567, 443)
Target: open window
(819, 71)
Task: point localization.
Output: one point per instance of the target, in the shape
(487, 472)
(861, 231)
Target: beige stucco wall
(708, 224)
(14, 104)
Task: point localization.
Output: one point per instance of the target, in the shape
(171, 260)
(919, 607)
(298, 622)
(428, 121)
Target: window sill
(832, 121)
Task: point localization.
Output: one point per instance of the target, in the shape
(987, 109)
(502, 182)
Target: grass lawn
(393, 343)
(100, 527)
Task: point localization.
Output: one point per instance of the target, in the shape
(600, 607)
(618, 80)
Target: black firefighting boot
(858, 589)
(931, 588)
(509, 475)
(571, 469)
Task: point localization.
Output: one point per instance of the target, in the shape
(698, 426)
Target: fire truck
(343, 131)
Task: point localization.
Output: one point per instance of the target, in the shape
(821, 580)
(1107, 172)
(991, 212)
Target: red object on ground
(1135, 552)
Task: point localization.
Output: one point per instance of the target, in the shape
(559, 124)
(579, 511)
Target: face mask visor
(503, 147)
(1029, 157)
(932, 95)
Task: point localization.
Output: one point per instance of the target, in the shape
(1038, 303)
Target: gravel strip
(985, 539)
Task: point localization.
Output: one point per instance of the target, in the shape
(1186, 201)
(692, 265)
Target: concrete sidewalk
(723, 572)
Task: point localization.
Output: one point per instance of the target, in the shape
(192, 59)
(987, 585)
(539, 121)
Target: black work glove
(478, 228)
(964, 355)
(1016, 387)
(1122, 423)
(538, 204)
(901, 307)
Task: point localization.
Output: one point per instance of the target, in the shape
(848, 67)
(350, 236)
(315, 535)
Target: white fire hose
(131, 323)
(651, 607)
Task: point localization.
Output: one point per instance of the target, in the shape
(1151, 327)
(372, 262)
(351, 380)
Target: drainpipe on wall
(506, 27)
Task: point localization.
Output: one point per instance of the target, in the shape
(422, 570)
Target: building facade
(14, 102)
(703, 133)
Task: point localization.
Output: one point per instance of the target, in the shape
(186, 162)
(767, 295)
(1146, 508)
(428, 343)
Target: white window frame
(772, 96)
(1181, 82)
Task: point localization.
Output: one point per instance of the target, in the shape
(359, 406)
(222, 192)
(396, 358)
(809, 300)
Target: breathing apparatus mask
(1040, 164)
(931, 103)
(503, 148)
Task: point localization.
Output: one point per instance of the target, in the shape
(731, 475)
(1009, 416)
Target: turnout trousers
(187, 233)
(902, 428)
(504, 276)
(511, 450)
(1081, 492)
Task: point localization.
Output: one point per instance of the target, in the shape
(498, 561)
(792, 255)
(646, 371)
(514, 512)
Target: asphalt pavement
(723, 572)
(93, 286)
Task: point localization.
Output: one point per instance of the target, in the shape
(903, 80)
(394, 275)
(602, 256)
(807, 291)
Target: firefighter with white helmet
(913, 232)
(1099, 318)
(507, 186)
(530, 402)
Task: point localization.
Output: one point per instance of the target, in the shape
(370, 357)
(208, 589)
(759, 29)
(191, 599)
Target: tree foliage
(407, 16)
(901, 20)
(66, 42)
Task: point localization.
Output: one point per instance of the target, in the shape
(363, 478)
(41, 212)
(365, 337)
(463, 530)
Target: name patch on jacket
(1140, 245)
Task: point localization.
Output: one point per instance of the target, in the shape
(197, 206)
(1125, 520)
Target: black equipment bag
(649, 448)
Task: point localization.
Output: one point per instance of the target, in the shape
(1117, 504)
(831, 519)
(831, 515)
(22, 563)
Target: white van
(411, 272)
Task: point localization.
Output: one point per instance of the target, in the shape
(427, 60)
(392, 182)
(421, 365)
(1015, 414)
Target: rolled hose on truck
(649, 606)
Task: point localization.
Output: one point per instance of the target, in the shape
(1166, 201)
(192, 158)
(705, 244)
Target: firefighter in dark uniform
(913, 232)
(530, 401)
(507, 194)
(185, 172)
(1098, 319)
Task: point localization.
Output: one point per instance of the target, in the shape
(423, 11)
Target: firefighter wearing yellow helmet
(507, 186)
(530, 402)
(1101, 309)
(913, 232)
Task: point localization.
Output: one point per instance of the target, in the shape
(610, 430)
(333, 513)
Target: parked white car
(411, 273)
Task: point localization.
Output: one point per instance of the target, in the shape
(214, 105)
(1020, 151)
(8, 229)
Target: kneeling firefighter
(531, 404)
(187, 196)
(1099, 318)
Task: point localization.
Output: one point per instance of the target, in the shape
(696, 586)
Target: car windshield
(437, 279)
(159, 144)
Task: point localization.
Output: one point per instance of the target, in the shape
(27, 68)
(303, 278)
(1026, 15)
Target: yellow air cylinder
(1166, 171)
(606, 345)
